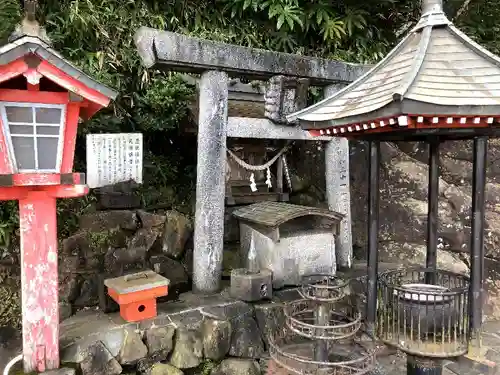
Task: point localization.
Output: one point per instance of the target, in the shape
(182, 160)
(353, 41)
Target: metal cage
(424, 312)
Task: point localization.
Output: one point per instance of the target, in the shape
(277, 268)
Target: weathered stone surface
(65, 310)
(415, 254)
(86, 328)
(188, 349)
(108, 220)
(172, 270)
(153, 47)
(117, 260)
(233, 366)
(246, 341)
(271, 320)
(187, 260)
(164, 369)
(159, 341)
(99, 361)
(143, 238)
(150, 220)
(178, 227)
(132, 349)
(60, 371)
(88, 292)
(216, 338)
(69, 281)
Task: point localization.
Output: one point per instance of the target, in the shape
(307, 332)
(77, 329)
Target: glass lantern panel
(19, 114)
(47, 130)
(34, 133)
(47, 152)
(24, 151)
(21, 129)
(47, 115)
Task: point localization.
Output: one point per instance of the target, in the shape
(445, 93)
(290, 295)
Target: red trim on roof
(404, 122)
(13, 69)
(72, 84)
(42, 97)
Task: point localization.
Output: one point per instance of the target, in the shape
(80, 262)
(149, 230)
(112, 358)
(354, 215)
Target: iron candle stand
(428, 322)
(313, 323)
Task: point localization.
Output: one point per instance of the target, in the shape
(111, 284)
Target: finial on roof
(29, 25)
(432, 6)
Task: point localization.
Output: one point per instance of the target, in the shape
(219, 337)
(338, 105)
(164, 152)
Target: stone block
(164, 369)
(246, 340)
(150, 220)
(60, 371)
(216, 338)
(159, 341)
(109, 220)
(112, 200)
(251, 286)
(234, 366)
(132, 349)
(271, 320)
(188, 349)
(177, 230)
(65, 310)
(99, 361)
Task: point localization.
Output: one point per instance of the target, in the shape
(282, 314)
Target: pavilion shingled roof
(436, 77)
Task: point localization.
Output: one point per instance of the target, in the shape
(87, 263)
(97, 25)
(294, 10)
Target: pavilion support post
(373, 226)
(210, 182)
(338, 190)
(432, 209)
(477, 237)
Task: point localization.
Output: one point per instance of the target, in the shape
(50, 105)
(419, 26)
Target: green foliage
(98, 36)
(9, 224)
(10, 15)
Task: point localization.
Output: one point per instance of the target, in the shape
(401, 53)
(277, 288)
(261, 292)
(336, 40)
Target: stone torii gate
(289, 77)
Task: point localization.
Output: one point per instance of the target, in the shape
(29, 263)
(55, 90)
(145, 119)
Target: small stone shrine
(292, 241)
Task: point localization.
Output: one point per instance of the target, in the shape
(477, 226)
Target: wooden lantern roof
(29, 54)
(436, 81)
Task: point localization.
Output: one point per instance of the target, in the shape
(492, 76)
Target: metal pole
(477, 236)
(432, 211)
(373, 224)
(322, 319)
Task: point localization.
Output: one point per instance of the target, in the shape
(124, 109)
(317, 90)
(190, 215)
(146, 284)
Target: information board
(113, 158)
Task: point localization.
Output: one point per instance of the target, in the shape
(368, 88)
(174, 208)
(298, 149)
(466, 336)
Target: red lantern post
(42, 98)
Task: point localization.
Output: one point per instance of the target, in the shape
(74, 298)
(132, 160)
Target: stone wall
(195, 335)
(113, 243)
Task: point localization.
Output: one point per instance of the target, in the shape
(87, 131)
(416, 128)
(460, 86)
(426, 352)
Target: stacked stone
(216, 333)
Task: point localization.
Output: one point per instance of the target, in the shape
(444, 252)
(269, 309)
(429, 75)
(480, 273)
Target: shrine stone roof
(273, 214)
(436, 70)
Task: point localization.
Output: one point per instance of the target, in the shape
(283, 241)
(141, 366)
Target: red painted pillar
(40, 305)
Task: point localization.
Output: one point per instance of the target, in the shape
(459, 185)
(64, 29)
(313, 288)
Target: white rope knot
(255, 168)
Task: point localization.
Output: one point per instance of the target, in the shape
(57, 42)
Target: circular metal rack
(320, 333)
(423, 312)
